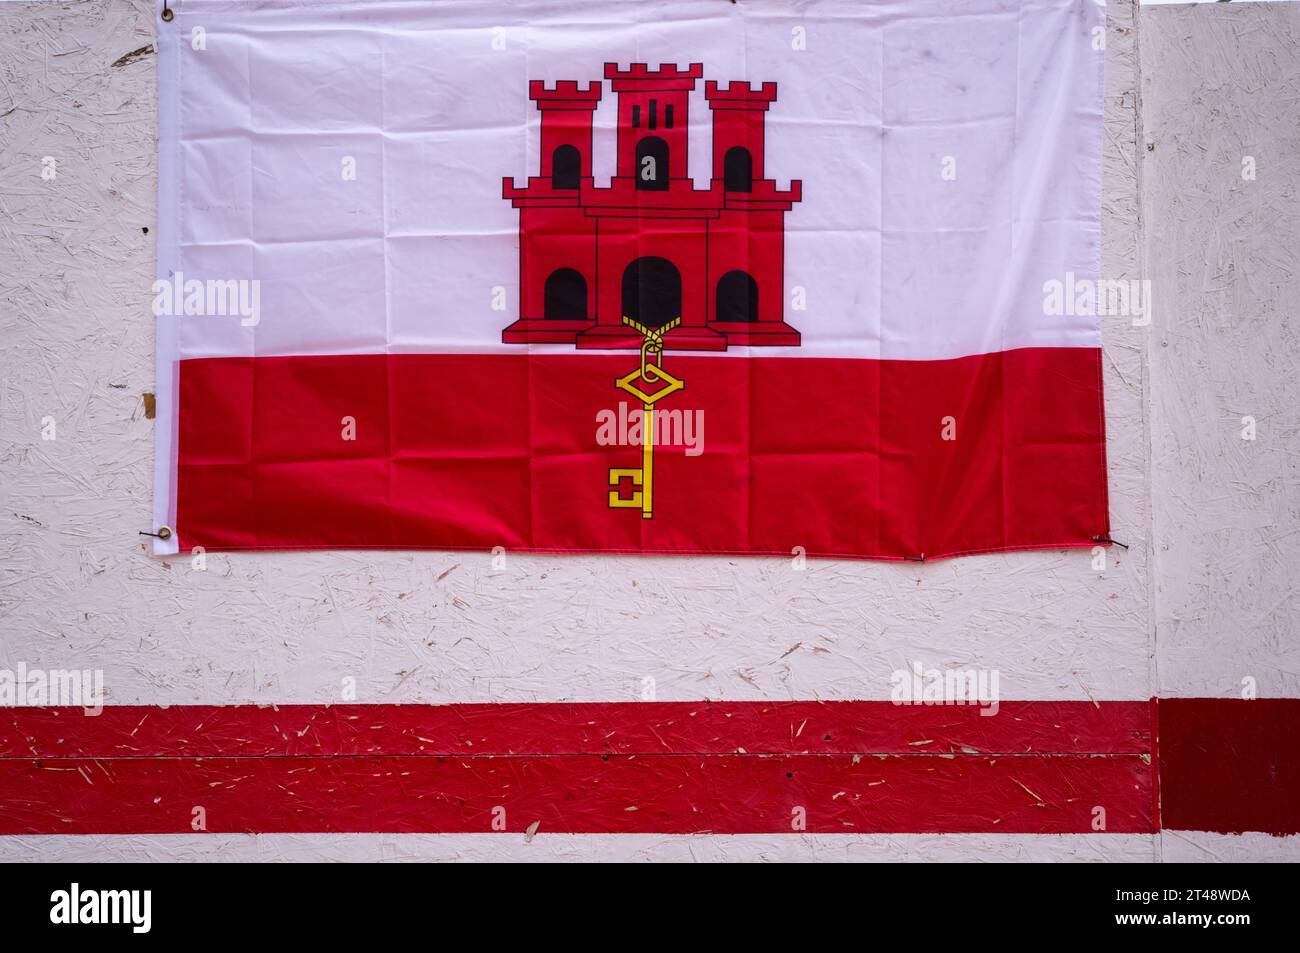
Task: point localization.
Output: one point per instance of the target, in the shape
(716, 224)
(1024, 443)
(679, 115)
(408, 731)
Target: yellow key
(650, 372)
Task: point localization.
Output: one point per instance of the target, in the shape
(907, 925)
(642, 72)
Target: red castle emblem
(602, 267)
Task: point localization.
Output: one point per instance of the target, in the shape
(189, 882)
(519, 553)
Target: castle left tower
(557, 248)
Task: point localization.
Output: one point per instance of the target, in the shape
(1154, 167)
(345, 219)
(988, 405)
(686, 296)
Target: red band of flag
(884, 459)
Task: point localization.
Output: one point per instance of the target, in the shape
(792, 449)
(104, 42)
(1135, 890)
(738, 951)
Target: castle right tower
(747, 241)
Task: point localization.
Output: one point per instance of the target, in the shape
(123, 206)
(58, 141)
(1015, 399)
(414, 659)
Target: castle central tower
(653, 109)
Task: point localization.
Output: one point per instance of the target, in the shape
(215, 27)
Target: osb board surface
(1225, 343)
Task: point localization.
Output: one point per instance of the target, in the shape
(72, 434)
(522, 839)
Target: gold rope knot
(653, 345)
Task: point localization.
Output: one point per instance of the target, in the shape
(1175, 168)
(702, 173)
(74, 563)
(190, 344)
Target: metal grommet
(167, 18)
(164, 532)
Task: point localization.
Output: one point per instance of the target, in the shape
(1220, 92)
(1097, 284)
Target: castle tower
(746, 278)
(652, 120)
(652, 223)
(738, 113)
(566, 130)
(557, 247)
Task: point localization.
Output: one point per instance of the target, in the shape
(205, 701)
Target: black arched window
(737, 298)
(565, 296)
(738, 170)
(652, 164)
(652, 291)
(566, 167)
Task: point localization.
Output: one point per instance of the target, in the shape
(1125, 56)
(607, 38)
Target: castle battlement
(739, 95)
(566, 91)
(664, 73)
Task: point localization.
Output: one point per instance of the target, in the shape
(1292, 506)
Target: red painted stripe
(1226, 766)
(625, 728)
(1035, 767)
(1230, 765)
(459, 451)
(671, 794)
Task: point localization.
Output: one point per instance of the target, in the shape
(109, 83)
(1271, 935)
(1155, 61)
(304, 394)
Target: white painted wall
(1214, 517)
(1223, 255)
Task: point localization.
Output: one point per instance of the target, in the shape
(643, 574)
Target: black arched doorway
(652, 291)
(652, 164)
(738, 170)
(565, 296)
(737, 298)
(566, 167)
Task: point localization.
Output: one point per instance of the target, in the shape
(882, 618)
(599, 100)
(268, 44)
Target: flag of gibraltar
(623, 284)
